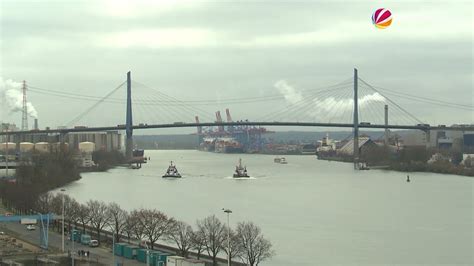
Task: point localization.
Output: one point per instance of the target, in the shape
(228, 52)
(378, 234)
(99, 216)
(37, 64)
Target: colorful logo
(382, 18)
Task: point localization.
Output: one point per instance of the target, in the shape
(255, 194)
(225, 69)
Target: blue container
(141, 255)
(158, 258)
(130, 252)
(118, 248)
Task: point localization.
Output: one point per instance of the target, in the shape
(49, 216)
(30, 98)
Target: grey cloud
(55, 46)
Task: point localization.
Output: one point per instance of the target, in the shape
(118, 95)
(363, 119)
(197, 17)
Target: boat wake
(241, 178)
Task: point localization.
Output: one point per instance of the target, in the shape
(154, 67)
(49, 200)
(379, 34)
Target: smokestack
(36, 124)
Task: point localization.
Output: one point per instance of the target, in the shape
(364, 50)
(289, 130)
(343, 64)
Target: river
(314, 212)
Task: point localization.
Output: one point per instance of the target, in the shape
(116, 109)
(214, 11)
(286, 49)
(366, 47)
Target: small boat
(240, 171)
(277, 160)
(283, 160)
(172, 171)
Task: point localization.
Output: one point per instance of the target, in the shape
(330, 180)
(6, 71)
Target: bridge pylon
(129, 121)
(356, 121)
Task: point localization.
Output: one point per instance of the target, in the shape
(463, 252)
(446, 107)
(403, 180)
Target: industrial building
(440, 139)
(364, 144)
(106, 140)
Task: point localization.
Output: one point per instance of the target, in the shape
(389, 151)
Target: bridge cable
(405, 111)
(81, 115)
(307, 100)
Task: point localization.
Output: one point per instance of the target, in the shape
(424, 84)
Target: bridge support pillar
(129, 122)
(356, 121)
(428, 138)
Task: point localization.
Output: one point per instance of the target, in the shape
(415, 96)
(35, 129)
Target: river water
(314, 212)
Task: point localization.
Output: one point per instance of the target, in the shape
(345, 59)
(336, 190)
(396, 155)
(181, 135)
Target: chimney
(36, 124)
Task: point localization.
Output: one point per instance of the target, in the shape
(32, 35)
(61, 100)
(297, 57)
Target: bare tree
(118, 219)
(198, 242)
(235, 247)
(56, 206)
(155, 224)
(138, 226)
(83, 215)
(255, 248)
(182, 233)
(72, 212)
(100, 216)
(132, 227)
(44, 203)
(214, 235)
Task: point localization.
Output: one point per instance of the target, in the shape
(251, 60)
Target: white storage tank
(26, 147)
(42, 146)
(10, 145)
(87, 147)
(174, 261)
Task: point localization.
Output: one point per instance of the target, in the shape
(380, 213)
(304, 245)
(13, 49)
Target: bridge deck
(248, 123)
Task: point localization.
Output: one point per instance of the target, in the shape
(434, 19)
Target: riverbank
(440, 167)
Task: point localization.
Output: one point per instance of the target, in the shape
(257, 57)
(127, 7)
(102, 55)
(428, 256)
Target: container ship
(231, 139)
(228, 145)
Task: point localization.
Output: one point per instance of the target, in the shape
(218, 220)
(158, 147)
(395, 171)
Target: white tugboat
(172, 171)
(240, 171)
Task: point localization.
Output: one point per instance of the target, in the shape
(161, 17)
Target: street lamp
(62, 236)
(228, 211)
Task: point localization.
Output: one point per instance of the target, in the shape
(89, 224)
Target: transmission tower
(24, 118)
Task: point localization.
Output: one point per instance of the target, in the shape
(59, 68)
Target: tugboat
(172, 171)
(240, 171)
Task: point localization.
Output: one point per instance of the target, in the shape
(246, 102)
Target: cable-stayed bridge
(352, 103)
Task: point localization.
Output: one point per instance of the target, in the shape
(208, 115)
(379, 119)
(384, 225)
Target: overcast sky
(195, 50)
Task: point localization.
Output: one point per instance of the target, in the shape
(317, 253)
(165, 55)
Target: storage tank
(10, 145)
(56, 147)
(42, 146)
(26, 146)
(87, 147)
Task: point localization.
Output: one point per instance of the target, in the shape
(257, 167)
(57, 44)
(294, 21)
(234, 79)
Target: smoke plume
(290, 93)
(11, 95)
(329, 103)
(323, 106)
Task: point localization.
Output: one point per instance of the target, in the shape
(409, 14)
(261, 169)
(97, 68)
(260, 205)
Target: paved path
(97, 254)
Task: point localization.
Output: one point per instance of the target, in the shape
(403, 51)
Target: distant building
(364, 144)
(437, 157)
(106, 140)
(7, 127)
(468, 141)
(445, 143)
(441, 139)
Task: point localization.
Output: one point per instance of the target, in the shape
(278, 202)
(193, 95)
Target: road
(98, 254)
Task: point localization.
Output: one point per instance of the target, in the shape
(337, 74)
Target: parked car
(30, 227)
(94, 243)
